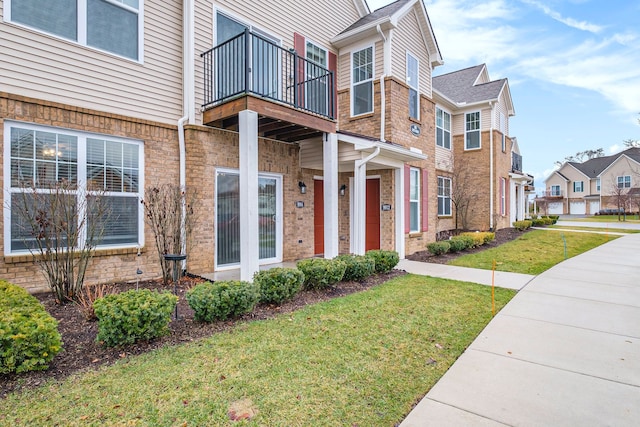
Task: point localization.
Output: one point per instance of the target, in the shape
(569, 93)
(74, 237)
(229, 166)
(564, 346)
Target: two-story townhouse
(474, 151)
(307, 129)
(578, 188)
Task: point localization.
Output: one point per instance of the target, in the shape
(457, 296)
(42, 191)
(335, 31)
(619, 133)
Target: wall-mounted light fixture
(303, 187)
(343, 188)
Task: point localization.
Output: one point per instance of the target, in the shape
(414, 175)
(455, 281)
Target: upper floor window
(362, 81)
(555, 190)
(414, 200)
(472, 130)
(578, 186)
(624, 181)
(413, 80)
(443, 129)
(598, 184)
(37, 158)
(114, 26)
(444, 196)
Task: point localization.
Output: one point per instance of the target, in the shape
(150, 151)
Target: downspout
(491, 160)
(382, 89)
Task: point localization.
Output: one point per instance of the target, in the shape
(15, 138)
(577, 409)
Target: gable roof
(593, 168)
(461, 87)
(377, 15)
(632, 154)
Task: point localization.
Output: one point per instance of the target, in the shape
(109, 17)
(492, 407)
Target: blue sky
(573, 68)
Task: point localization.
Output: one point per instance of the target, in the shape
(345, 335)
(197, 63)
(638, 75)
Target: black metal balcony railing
(516, 162)
(251, 64)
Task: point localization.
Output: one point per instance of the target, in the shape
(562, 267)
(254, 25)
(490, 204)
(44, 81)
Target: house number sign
(415, 129)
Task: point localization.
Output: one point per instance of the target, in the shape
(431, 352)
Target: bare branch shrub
(60, 226)
(462, 192)
(87, 297)
(171, 229)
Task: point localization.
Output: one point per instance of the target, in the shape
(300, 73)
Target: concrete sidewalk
(564, 352)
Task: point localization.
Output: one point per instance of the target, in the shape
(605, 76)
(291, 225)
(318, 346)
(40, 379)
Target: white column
(399, 211)
(330, 182)
(359, 209)
(249, 255)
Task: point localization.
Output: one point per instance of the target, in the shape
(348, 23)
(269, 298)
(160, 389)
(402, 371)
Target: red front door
(372, 240)
(318, 217)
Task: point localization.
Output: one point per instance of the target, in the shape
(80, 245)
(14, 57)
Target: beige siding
(45, 67)
(554, 179)
(344, 64)
(621, 167)
(444, 159)
(408, 38)
(501, 107)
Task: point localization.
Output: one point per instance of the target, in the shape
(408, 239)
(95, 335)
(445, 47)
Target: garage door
(577, 208)
(594, 207)
(555, 208)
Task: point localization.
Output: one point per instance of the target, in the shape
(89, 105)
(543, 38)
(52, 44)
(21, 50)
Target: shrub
(438, 248)
(549, 220)
(522, 225)
(321, 273)
(385, 260)
(476, 237)
(29, 337)
(132, 316)
(222, 300)
(488, 236)
(278, 284)
(456, 244)
(359, 267)
(88, 296)
(538, 222)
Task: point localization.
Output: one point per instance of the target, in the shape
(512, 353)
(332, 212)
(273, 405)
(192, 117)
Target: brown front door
(373, 215)
(318, 217)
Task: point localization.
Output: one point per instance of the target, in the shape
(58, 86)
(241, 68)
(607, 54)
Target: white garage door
(577, 208)
(555, 208)
(594, 207)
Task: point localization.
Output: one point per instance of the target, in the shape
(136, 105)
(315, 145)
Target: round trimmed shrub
(320, 273)
(29, 337)
(359, 267)
(222, 300)
(439, 248)
(135, 315)
(456, 244)
(278, 284)
(385, 260)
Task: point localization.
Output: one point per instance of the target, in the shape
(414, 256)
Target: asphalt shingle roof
(459, 86)
(594, 167)
(384, 12)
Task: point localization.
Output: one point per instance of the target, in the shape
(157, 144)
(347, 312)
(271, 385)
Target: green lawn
(364, 359)
(604, 218)
(533, 252)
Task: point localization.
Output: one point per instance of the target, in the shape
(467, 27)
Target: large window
(414, 200)
(413, 80)
(444, 196)
(624, 181)
(597, 184)
(39, 157)
(578, 186)
(555, 190)
(362, 81)
(472, 130)
(114, 26)
(443, 129)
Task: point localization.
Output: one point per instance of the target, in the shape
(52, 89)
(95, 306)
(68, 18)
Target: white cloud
(573, 23)
(614, 149)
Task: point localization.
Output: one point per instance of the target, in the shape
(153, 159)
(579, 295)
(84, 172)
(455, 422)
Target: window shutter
(333, 66)
(425, 200)
(502, 196)
(407, 197)
(300, 48)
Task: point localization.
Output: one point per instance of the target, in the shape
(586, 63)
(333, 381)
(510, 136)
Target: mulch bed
(81, 351)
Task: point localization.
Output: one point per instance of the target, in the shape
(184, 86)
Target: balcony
(294, 97)
(551, 194)
(516, 163)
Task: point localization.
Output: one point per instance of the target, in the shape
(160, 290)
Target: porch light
(343, 188)
(303, 187)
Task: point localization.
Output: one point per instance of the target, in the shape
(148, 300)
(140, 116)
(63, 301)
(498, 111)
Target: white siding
(408, 38)
(46, 67)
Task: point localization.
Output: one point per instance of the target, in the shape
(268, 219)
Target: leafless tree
(582, 156)
(462, 192)
(60, 226)
(621, 197)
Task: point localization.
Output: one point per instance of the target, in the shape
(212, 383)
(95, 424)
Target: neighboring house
(609, 182)
(472, 115)
(308, 129)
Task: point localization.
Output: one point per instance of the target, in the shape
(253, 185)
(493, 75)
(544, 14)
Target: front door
(228, 218)
(372, 240)
(318, 217)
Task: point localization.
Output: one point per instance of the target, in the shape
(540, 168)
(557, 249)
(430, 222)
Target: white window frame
(81, 21)
(624, 181)
(413, 85)
(597, 184)
(555, 190)
(578, 188)
(442, 128)
(81, 173)
(443, 196)
(414, 184)
(362, 82)
(467, 132)
(503, 196)
(307, 91)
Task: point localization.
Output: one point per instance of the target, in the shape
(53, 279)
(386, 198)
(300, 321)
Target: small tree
(60, 226)
(462, 192)
(620, 195)
(169, 213)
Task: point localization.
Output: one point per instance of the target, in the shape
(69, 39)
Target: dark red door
(318, 217)
(372, 240)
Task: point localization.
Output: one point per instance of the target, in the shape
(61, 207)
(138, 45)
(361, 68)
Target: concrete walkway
(621, 225)
(564, 352)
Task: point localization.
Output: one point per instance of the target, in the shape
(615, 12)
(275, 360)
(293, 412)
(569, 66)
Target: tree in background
(582, 156)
